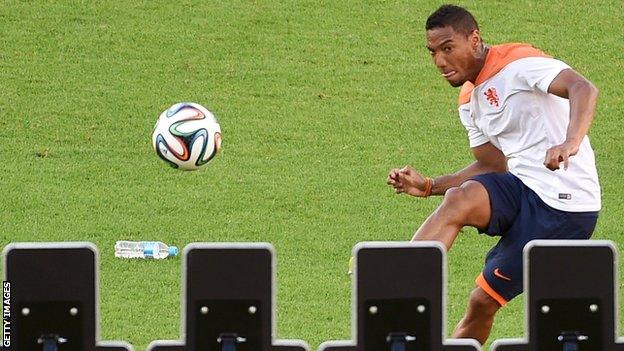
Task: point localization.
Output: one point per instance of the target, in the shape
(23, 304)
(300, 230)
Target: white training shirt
(514, 111)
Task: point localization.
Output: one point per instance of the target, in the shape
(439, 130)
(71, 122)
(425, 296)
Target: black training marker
(228, 300)
(399, 300)
(570, 288)
(54, 304)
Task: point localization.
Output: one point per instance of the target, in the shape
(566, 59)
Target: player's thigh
(506, 193)
(473, 199)
(502, 276)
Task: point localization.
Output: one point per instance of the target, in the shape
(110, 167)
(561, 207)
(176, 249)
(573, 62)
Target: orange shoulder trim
(465, 93)
(500, 56)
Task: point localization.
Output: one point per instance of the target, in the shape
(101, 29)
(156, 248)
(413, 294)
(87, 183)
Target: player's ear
(475, 38)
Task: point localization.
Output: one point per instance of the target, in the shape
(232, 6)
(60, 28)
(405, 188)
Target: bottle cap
(173, 250)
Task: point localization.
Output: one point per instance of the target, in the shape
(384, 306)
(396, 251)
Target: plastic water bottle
(144, 249)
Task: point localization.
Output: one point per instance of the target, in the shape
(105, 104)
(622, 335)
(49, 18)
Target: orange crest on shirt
(491, 96)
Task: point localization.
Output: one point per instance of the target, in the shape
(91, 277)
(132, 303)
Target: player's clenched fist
(560, 153)
(408, 180)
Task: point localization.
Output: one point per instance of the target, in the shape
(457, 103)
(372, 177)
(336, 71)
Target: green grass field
(317, 100)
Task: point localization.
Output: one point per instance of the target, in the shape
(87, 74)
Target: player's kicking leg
(466, 205)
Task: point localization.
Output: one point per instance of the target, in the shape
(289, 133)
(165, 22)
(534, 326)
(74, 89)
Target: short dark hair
(453, 16)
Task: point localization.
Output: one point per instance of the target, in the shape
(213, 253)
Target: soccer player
(534, 175)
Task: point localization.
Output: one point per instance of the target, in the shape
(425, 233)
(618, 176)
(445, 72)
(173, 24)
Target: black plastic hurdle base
(398, 293)
(228, 300)
(570, 288)
(54, 297)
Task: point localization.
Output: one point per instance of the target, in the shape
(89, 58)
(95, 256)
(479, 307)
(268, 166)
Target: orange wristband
(428, 187)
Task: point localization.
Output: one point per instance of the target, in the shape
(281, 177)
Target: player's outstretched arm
(583, 96)
(408, 180)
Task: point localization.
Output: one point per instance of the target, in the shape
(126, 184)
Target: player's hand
(560, 153)
(407, 180)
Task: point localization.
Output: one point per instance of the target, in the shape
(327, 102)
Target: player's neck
(481, 58)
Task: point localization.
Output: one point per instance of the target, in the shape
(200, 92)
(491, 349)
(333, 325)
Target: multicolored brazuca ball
(186, 136)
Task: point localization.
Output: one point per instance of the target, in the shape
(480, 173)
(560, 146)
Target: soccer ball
(186, 136)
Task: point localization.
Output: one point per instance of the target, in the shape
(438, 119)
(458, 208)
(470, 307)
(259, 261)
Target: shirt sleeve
(475, 135)
(539, 72)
